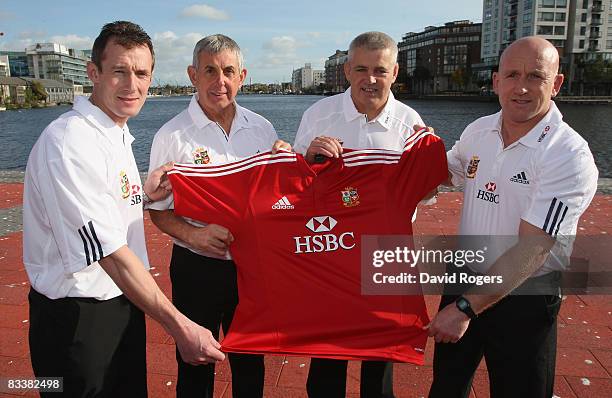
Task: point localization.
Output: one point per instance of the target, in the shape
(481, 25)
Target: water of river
(20, 129)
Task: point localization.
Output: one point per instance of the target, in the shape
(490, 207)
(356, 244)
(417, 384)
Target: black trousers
(327, 379)
(518, 339)
(98, 347)
(206, 291)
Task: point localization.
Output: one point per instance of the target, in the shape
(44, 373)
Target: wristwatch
(464, 306)
(145, 198)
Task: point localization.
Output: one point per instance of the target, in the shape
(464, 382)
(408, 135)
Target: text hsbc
(324, 243)
(488, 196)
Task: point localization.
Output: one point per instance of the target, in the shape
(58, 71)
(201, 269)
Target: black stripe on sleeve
(85, 247)
(91, 244)
(555, 218)
(550, 210)
(561, 220)
(95, 237)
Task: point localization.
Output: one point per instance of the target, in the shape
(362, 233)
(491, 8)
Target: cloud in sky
(279, 51)
(73, 41)
(173, 55)
(204, 11)
(6, 15)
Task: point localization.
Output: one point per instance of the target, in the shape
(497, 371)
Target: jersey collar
(200, 119)
(545, 126)
(102, 121)
(351, 113)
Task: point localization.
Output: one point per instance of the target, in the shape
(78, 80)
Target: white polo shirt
(336, 116)
(547, 178)
(82, 201)
(191, 137)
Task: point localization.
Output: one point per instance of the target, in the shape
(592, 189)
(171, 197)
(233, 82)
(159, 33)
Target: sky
(275, 36)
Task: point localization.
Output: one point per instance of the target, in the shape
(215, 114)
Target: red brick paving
(584, 365)
(12, 195)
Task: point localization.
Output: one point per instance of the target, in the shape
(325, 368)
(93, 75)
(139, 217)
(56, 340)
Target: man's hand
(418, 127)
(449, 325)
(157, 186)
(327, 146)
(212, 238)
(197, 344)
(281, 145)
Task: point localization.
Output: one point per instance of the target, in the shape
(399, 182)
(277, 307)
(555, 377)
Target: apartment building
(57, 62)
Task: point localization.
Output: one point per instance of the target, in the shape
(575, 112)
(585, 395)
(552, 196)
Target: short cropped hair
(215, 44)
(373, 41)
(124, 33)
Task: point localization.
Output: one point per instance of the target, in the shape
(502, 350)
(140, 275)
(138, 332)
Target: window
(560, 17)
(526, 31)
(559, 30)
(561, 3)
(527, 4)
(546, 16)
(582, 30)
(581, 44)
(608, 44)
(526, 18)
(584, 17)
(545, 30)
(585, 4)
(547, 3)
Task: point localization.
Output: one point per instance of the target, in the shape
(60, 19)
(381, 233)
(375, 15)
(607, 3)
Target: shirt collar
(102, 121)
(351, 112)
(545, 126)
(201, 120)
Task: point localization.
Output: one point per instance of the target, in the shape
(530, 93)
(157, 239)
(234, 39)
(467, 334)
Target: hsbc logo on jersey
(326, 242)
(489, 195)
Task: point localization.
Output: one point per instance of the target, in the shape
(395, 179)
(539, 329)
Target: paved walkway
(584, 365)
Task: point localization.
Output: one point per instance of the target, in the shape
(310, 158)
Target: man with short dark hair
(83, 235)
(365, 116)
(526, 174)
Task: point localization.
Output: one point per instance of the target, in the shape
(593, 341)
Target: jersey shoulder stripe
(191, 170)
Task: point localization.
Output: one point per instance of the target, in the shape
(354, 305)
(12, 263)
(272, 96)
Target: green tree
(38, 93)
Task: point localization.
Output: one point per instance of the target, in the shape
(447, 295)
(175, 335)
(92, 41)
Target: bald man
(525, 174)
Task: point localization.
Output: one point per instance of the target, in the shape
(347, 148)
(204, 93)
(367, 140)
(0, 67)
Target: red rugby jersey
(297, 230)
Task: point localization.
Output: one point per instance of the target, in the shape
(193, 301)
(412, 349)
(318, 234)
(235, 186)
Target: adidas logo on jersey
(283, 204)
(521, 178)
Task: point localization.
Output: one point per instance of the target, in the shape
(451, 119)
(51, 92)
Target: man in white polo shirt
(526, 174)
(83, 235)
(213, 129)
(366, 115)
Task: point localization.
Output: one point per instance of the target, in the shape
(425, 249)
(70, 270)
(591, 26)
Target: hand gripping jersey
(297, 230)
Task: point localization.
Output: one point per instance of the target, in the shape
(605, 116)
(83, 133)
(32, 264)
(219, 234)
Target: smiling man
(214, 129)
(83, 235)
(526, 173)
(365, 116)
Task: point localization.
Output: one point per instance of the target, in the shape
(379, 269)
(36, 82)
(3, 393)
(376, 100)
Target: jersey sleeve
(303, 137)
(212, 194)
(566, 183)
(422, 167)
(80, 203)
(456, 166)
(160, 154)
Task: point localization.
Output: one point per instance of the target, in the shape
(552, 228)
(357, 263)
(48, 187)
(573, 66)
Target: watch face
(462, 304)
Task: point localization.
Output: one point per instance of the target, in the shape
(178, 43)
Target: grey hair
(215, 44)
(373, 41)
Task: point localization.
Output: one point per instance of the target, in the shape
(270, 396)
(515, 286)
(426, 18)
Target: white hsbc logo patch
(329, 242)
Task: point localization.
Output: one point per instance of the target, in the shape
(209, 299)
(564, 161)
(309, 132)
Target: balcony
(596, 22)
(595, 35)
(597, 8)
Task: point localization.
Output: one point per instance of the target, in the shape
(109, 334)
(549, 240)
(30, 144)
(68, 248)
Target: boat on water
(2, 108)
